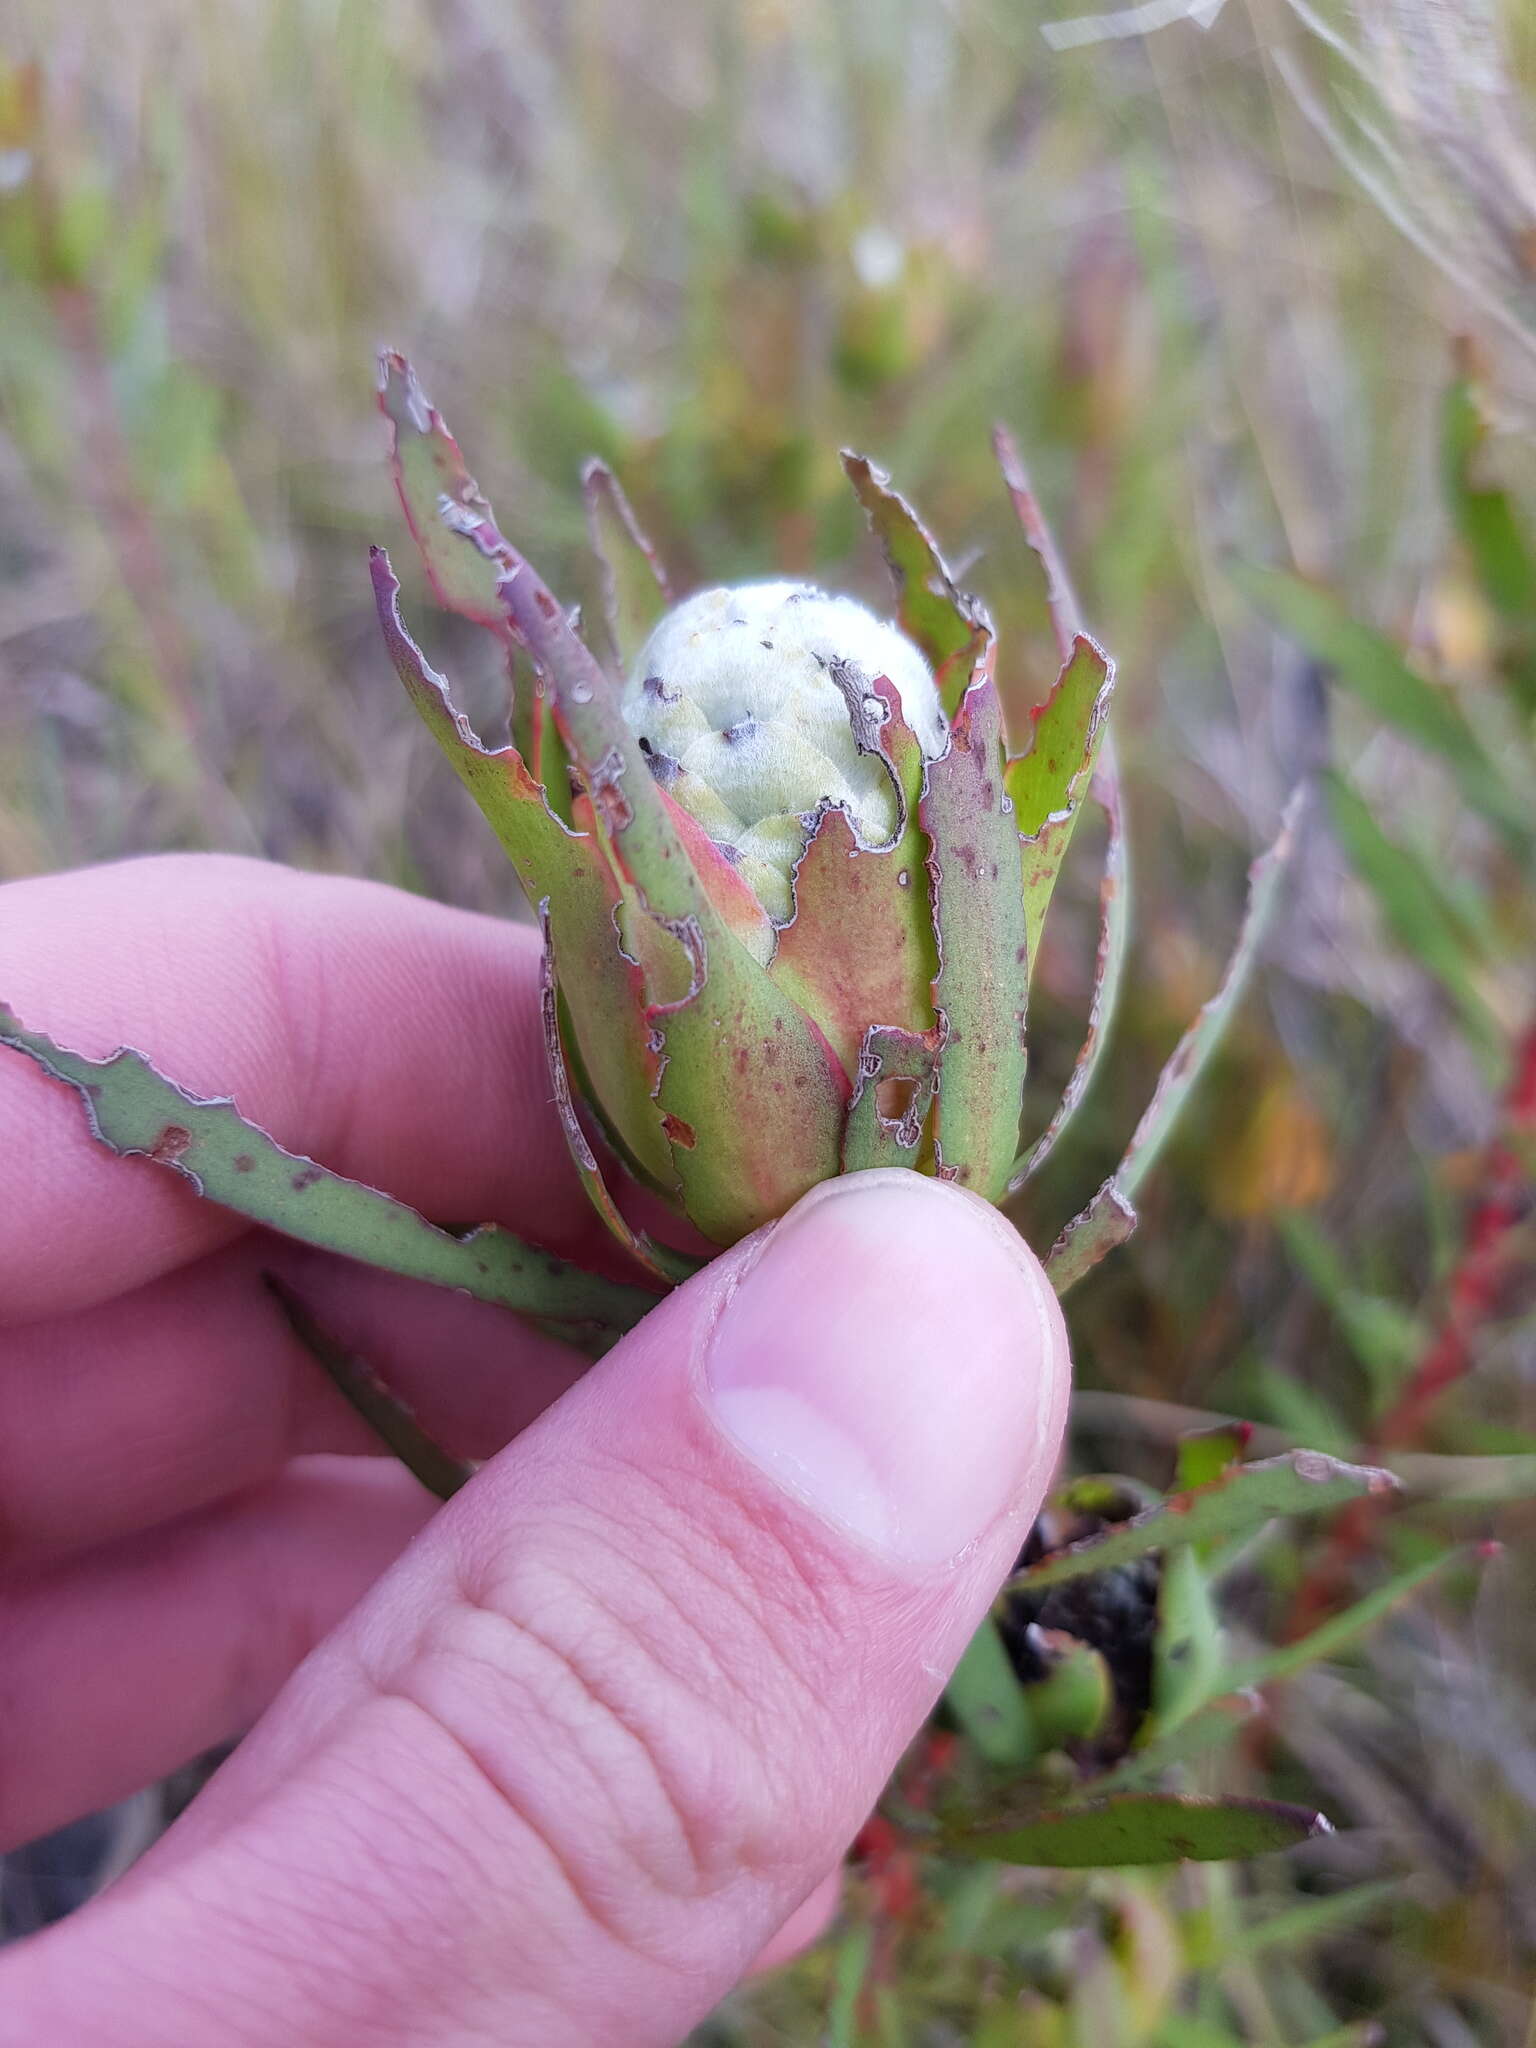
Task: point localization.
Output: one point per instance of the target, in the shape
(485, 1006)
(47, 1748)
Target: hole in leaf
(894, 1097)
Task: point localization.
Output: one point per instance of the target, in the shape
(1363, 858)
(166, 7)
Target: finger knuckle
(634, 1687)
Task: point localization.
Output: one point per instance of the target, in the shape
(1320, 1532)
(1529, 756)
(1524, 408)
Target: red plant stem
(1476, 1286)
(1478, 1279)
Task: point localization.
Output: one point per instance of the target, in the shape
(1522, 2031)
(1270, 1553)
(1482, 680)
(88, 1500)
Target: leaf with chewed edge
(981, 988)
(931, 610)
(429, 472)
(859, 949)
(1114, 891)
(751, 1099)
(136, 1112)
(551, 861)
(1048, 783)
(635, 586)
(666, 1266)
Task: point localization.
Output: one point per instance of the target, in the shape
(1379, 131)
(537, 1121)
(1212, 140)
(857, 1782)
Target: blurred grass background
(1219, 283)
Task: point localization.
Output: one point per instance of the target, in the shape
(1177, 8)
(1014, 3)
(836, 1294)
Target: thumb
(573, 1760)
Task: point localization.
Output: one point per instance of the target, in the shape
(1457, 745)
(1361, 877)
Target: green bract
(790, 872)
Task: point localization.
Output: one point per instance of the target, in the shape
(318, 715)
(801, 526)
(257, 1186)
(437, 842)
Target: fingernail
(894, 1357)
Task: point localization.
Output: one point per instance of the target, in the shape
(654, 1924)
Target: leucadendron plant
(791, 876)
(791, 866)
(791, 870)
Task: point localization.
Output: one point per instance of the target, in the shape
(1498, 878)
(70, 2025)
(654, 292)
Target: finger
(121, 1666)
(804, 1927)
(194, 1388)
(571, 1764)
(384, 1035)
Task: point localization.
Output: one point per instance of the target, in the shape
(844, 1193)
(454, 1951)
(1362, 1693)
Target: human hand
(557, 1761)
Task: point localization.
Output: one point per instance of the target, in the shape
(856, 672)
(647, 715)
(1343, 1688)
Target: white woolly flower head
(744, 702)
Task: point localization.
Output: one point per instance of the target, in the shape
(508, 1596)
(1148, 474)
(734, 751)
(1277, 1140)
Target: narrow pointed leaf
(665, 1266)
(740, 1156)
(1142, 1828)
(1496, 536)
(941, 619)
(1340, 1631)
(1109, 967)
(390, 1418)
(1316, 1919)
(430, 473)
(1059, 596)
(1093, 1233)
(136, 1112)
(1487, 517)
(1114, 892)
(1242, 1500)
(981, 992)
(1195, 1048)
(1048, 783)
(565, 866)
(1108, 1222)
(635, 586)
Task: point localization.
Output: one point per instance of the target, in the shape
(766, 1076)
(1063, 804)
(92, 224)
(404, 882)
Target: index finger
(386, 1036)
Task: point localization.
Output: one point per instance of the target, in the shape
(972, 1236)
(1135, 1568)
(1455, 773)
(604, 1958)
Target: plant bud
(744, 703)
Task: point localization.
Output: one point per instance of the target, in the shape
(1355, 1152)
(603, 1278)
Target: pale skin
(557, 1763)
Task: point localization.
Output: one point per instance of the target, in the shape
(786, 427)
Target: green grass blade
(1317, 1918)
(1418, 911)
(1367, 664)
(1340, 1630)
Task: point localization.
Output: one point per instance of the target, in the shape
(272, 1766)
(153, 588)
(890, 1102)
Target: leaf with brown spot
(982, 985)
(129, 1105)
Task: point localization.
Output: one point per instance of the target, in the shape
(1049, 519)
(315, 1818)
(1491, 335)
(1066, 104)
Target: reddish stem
(1476, 1286)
